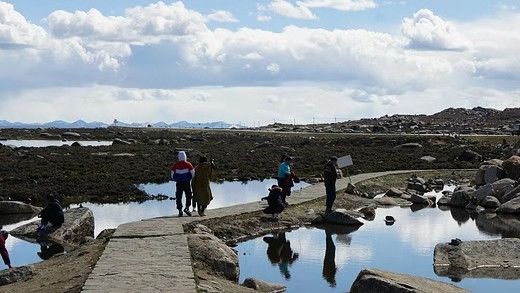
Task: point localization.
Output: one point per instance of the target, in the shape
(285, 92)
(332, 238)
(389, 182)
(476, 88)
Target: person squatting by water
(274, 200)
(285, 177)
(330, 174)
(201, 185)
(52, 213)
(182, 172)
(3, 249)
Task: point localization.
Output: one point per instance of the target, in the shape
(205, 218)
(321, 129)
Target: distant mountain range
(83, 124)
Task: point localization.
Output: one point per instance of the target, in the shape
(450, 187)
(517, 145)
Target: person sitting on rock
(53, 213)
(274, 199)
(3, 249)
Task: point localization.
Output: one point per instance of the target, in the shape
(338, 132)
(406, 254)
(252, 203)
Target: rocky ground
(67, 273)
(110, 173)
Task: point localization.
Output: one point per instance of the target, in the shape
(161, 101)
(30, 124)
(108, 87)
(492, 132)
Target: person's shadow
(279, 252)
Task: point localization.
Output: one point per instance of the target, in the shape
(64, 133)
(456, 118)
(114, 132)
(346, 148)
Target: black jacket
(53, 212)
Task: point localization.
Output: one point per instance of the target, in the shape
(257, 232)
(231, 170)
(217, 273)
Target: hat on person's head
(288, 158)
(50, 196)
(182, 156)
(333, 158)
(5, 234)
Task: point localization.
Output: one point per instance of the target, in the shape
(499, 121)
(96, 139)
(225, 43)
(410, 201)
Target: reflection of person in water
(280, 252)
(48, 249)
(329, 262)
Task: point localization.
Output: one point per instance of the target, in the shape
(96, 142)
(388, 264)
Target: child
(274, 199)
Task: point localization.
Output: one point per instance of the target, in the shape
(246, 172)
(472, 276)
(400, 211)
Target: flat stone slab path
(153, 255)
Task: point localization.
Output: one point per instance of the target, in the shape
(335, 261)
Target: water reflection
(280, 253)
(49, 248)
(329, 261)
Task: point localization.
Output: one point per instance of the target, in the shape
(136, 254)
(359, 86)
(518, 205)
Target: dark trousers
(330, 190)
(180, 188)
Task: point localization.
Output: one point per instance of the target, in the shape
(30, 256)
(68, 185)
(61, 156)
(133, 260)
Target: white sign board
(345, 161)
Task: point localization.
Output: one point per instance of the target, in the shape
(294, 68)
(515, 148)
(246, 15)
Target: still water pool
(328, 259)
(45, 143)
(112, 215)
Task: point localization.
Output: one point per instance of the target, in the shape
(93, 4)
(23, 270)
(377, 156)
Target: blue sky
(254, 61)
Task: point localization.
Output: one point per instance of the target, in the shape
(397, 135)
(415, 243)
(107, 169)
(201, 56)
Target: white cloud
(287, 9)
(428, 31)
(343, 5)
(263, 18)
(222, 16)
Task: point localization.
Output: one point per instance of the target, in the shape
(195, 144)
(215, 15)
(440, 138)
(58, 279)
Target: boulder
(482, 192)
(492, 174)
(71, 134)
(369, 212)
(76, 144)
(417, 186)
(490, 202)
(419, 199)
(512, 167)
(119, 141)
(515, 192)
(374, 280)
(342, 217)
(494, 259)
(79, 223)
(470, 156)
(460, 198)
(16, 274)
(428, 159)
(8, 219)
(393, 192)
(262, 286)
(444, 200)
(510, 207)
(214, 253)
(17, 207)
(502, 186)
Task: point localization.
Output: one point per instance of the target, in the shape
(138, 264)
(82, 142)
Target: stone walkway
(153, 255)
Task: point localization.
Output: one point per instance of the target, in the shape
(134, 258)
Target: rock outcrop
(497, 259)
(262, 286)
(216, 254)
(17, 207)
(512, 167)
(374, 280)
(510, 207)
(16, 274)
(79, 224)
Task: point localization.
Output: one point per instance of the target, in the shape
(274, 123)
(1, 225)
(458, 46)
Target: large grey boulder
(79, 224)
(490, 202)
(419, 199)
(492, 174)
(16, 274)
(460, 198)
(503, 186)
(262, 286)
(17, 207)
(342, 217)
(393, 192)
(374, 280)
(512, 167)
(515, 192)
(482, 192)
(510, 207)
(496, 259)
(215, 254)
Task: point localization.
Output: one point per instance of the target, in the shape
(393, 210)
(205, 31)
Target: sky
(254, 62)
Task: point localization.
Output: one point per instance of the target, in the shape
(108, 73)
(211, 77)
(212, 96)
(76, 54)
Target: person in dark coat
(53, 213)
(330, 175)
(3, 249)
(274, 199)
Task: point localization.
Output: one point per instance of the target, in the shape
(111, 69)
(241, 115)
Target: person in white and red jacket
(3, 249)
(182, 172)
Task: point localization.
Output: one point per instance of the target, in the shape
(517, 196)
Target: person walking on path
(52, 213)
(285, 178)
(182, 172)
(330, 174)
(200, 185)
(3, 249)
